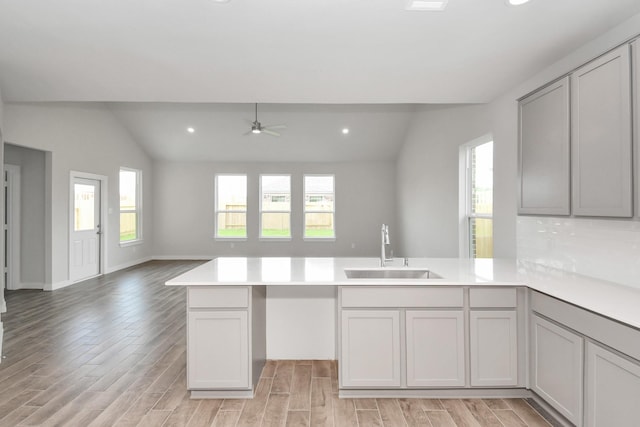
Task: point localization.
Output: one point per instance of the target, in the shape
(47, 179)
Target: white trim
(305, 211)
(13, 182)
(103, 220)
(464, 186)
(57, 285)
(30, 285)
(216, 211)
(261, 211)
(138, 210)
(181, 257)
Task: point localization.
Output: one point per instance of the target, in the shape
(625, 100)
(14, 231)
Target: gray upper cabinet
(544, 151)
(601, 140)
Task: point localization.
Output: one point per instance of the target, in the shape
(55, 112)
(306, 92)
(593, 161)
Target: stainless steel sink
(390, 273)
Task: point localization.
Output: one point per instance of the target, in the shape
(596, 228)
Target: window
(479, 200)
(275, 206)
(319, 206)
(130, 205)
(231, 207)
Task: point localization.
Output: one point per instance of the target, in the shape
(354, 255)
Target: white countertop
(619, 302)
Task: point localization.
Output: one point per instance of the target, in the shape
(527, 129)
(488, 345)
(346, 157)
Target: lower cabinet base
(543, 406)
(222, 394)
(450, 393)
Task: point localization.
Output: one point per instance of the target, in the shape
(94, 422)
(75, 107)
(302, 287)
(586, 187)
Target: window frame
(138, 210)
(466, 194)
(216, 211)
(263, 211)
(305, 211)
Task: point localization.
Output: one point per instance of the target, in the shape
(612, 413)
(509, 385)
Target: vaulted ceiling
(316, 65)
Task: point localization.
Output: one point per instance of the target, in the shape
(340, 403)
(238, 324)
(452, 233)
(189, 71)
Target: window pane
(318, 224)
(482, 179)
(319, 193)
(276, 225)
(481, 237)
(84, 207)
(128, 183)
(231, 224)
(276, 192)
(232, 193)
(128, 226)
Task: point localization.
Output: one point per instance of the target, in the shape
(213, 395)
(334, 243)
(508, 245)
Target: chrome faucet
(384, 238)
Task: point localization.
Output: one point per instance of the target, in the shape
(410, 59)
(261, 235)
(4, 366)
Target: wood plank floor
(111, 352)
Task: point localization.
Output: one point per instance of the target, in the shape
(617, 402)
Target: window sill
(275, 239)
(319, 239)
(131, 243)
(230, 239)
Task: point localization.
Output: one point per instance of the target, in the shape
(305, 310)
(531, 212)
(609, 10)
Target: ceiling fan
(257, 127)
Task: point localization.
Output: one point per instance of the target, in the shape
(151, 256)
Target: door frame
(103, 220)
(13, 256)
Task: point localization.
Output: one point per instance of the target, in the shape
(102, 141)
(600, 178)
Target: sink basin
(390, 273)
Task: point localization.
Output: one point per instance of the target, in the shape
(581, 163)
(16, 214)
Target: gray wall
(183, 206)
(427, 169)
(84, 138)
(32, 213)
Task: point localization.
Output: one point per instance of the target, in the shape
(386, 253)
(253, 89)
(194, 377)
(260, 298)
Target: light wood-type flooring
(111, 352)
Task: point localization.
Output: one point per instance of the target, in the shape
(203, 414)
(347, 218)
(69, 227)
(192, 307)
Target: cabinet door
(370, 351)
(544, 151)
(601, 136)
(613, 389)
(557, 368)
(435, 348)
(218, 350)
(494, 348)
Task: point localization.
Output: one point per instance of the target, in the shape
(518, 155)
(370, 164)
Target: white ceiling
(162, 65)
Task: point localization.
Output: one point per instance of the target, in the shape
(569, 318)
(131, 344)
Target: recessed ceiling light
(345, 131)
(190, 130)
(221, 1)
(517, 2)
(426, 5)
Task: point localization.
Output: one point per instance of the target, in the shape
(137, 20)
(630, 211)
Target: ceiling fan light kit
(257, 128)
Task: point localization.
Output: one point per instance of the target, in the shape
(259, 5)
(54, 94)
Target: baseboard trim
(127, 264)
(31, 285)
(182, 257)
(57, 285)
(457, 393)
(222, 394)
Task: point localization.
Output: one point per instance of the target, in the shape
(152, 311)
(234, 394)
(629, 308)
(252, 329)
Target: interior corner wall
(85, 138)
(184, 209)
(3, 307)
(32, 213)
(427, 177)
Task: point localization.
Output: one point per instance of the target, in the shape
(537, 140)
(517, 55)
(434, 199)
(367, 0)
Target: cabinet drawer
(400, 296)
(220, 297)
(492, 297)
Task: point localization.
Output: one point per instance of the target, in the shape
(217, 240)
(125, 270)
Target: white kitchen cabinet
(218, 350)
(557, 367)
(612, 389)
(370, 348)
(601, 140)
(493, 348)
(435, 348)
(544, 151)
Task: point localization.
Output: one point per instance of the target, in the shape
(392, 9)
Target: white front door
(85, 231)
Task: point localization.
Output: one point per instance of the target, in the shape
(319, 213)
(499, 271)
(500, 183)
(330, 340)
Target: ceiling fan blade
(247, 133)
(270, 132)
(275, 127)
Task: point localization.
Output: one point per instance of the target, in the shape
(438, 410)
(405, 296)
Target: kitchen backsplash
(602, 248)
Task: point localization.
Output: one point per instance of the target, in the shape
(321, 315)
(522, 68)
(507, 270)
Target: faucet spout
(384, 241)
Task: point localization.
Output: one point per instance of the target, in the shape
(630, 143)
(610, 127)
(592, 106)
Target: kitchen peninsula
(480, 328)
